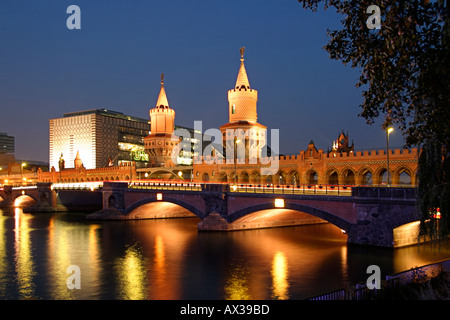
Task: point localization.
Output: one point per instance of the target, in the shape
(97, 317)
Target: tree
(405, 66)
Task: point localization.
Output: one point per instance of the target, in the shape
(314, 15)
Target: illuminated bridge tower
(243, 133)
(161, 141)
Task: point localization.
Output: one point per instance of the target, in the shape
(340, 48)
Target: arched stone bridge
(368, 215)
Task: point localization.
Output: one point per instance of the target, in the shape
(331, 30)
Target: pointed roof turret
(242, 78)
(162, 101)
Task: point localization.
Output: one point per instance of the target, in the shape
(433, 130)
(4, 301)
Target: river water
(169, 259)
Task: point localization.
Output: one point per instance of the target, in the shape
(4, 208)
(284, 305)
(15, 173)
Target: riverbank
(429, 282)
(434, 288)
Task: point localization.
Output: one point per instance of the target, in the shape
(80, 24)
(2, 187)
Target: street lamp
(235, 160)
(388, 131)
(21, 170)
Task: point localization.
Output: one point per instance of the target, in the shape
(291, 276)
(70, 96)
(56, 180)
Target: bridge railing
(315, 189)
(182, 186)
(341, 190)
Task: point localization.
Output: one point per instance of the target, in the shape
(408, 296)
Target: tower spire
(162, 101)
(242, 78)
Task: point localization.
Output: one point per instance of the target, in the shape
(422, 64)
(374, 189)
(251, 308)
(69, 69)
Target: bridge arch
(24, 200)
(244, 177)
(280, 177)
(319, 213)
(312, 177)
(402, 175)
(223, 177)
(294, 177)
(332, 176)
(365, 175)
(255, 177)
(348, 176)
(380, 175)
(167, 198)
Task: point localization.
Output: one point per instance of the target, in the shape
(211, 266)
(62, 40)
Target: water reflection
(236, 287)
(24, 264)
(3, 257)
(131, 271)
(169, 259)
(72, 243)
(280, 276)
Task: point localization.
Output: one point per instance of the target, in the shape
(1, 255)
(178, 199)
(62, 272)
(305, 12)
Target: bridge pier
(46, 200)
(113, 201)
(8, 200)
(379, 212)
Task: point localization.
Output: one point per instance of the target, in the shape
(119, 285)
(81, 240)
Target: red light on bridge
(436, 213)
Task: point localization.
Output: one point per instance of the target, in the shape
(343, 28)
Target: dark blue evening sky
(116, 59)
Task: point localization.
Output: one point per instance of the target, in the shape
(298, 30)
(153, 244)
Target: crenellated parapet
(122, 172)
(312, 166)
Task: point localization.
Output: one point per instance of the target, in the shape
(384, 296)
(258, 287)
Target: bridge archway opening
(294, 177)
(272, 218)
(333, 178)
(404, 178)
(205, 177)
(24, 201)
(281, 177)
(160, 209)
(255, 177)
(367, 178)
(244, 178)
(312, 177)
(383, 176)
(223, 177)
(348, 177)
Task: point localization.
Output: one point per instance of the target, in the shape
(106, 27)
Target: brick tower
(161, 141)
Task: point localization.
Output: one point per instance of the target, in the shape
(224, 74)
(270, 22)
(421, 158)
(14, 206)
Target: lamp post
(21, 170)
(235, 160)
(388, 131)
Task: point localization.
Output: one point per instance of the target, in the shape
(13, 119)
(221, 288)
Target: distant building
(100, 137)
(6, 143)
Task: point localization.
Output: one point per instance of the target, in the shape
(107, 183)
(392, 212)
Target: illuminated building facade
(100, 137)
(6, 143)
(340, 165)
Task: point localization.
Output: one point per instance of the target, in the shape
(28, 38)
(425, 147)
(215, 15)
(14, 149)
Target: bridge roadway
(368, 215)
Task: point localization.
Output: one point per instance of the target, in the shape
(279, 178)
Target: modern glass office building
(6, 143)
(101, 137)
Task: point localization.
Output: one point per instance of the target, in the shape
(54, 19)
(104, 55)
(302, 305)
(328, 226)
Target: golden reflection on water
(3, 256)
(236, 287)
(23, 255)
(131, 273)
(59, 247)
(280, 284)
(72, 245)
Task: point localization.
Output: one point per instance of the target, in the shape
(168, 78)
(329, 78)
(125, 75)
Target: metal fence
(362, 292)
